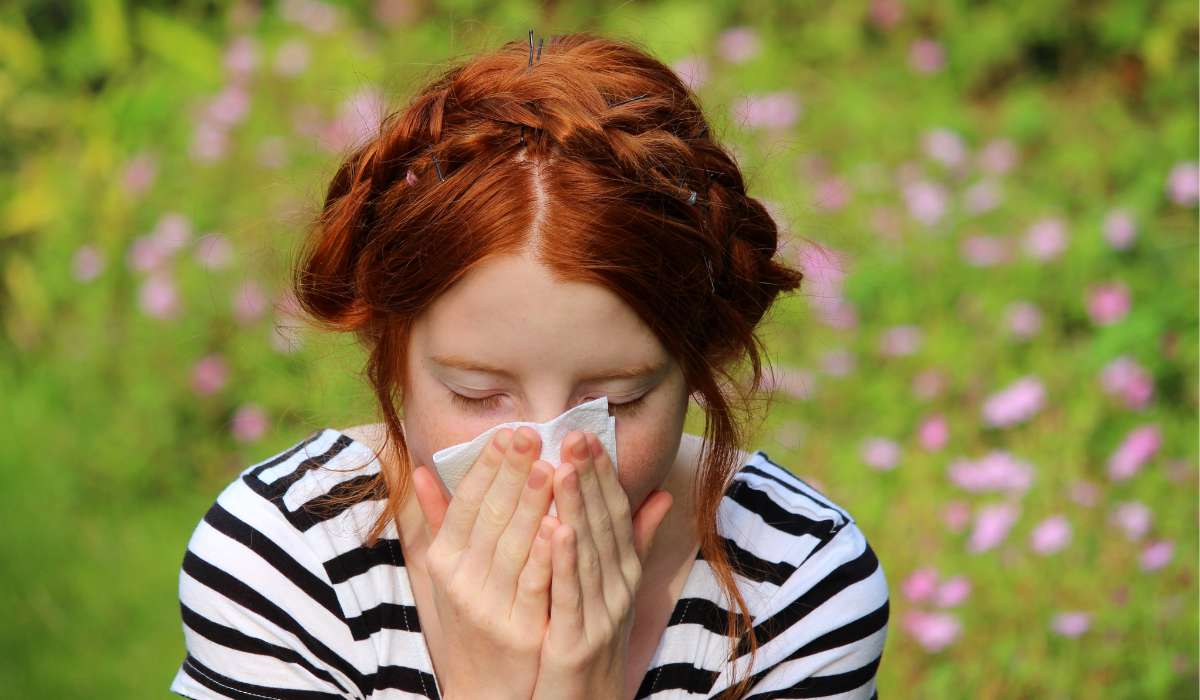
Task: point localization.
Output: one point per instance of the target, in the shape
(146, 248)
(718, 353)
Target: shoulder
(818, 593)
(256, 595)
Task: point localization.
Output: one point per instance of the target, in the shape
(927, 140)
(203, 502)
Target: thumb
(647, 520)
(432, 498)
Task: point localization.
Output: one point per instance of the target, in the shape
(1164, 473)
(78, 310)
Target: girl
(535, 230)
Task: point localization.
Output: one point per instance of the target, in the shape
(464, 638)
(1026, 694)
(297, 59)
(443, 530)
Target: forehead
(511, 311)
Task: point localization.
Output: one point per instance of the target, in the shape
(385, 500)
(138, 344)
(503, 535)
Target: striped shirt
(280, 599)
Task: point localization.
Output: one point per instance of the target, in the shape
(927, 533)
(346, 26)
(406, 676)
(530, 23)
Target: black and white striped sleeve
(260, 617)
(826, 625)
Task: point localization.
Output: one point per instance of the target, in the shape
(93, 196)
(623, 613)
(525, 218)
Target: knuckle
(491, 514)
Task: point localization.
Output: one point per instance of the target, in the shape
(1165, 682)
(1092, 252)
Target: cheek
(430, 424)
(646, 452)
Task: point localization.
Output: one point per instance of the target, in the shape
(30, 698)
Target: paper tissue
(453, 463)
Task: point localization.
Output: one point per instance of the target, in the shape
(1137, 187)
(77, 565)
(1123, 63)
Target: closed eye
(491, 402)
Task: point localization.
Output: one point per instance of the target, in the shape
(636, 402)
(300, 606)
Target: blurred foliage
(160, 160)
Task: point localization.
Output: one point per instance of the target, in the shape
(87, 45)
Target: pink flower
(249, 423)
(1071, 624)
(838, 363)
(209, 375)
(795, 382)
(833, 193)
(358, 121)
(1016, 403)
(693, 71)
(1046, 239)
(1134, 451)
(139, 173)
(291, 58)
(981, 197)
(926, 56)
(396, 13)
(928, 384)
(209, 142)
(287, 333)
(992, 523)
(933, 631)
(933, 433)
(920, 584)
(146, 254)
(87, 263)
(213, 251)
(999, 156)
(926, 201)
(900, 341)
(229, 106)
(158, 297)
(952, 592)
(241, 56)
(880, 453)
(249, 302)
(1133, 518)
(1084, 492)
(1120, 229)
(955, 515)
(984, 251)
(315, 16)
(1183, 183)
(1125, 378)
(995, 471)
(824, 270)
(172, 232)
(1108, 303)
(1050, 535)
(1024, 319)
(739, 44)
(885, 14)
(773, 110)
(945, 146)
(1157, 554)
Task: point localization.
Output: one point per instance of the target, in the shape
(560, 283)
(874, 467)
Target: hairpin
(692, 197)
(708, 266)
(530, 66)
(631, 99)
(436, 165)
(703, 131)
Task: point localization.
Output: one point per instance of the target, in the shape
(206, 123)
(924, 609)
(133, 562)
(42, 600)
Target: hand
(489, 568)
(598, 551)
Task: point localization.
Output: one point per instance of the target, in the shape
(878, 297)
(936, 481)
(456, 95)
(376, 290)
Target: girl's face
(511, 343)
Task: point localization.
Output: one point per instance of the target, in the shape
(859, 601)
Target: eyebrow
(474, 366)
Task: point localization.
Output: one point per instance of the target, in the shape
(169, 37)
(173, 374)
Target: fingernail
(521, 442)
(544, 531)
(537, 477)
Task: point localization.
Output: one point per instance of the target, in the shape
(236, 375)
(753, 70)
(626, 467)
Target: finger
(618, 508)
(430, 497)
(649, 516)
(500, 502)
(512, 549)
(566, 598)
(613, 584)
(533, 586)
(572, 511)
(464, 507)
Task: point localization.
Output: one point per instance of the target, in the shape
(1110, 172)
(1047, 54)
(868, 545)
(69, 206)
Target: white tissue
(453, 463)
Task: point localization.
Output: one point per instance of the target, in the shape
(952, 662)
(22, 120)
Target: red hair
(588, 159)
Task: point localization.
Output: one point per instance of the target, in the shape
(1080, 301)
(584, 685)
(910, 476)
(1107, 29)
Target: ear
(432, 496)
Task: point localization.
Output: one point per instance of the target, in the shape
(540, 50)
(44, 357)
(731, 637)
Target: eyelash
(492, 401)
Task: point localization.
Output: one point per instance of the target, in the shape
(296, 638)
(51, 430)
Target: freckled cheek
(645, 459)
